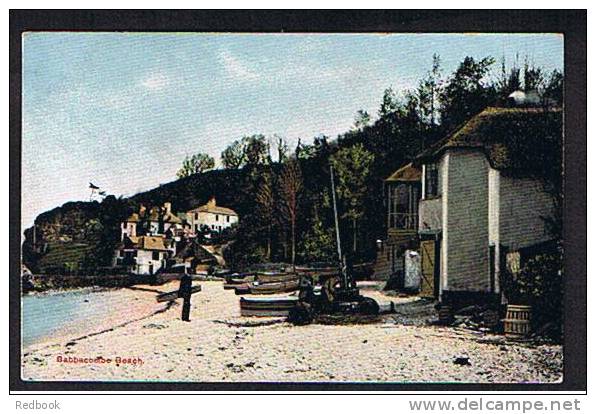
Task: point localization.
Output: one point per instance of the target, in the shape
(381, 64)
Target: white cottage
(215, 218)
(144, 255)
(484, 194)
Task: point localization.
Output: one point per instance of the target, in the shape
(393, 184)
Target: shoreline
(117, 311)
(220, 345)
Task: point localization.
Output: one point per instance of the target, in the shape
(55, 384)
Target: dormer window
(431, 181)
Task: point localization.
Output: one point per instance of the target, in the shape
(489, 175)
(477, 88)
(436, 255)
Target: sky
(122, 110)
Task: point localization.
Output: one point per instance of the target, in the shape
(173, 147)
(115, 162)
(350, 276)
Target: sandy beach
(151, 343)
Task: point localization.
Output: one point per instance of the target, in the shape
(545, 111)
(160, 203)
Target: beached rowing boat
(279, 306)
(257, 288)
(273, 277)
(242, 289)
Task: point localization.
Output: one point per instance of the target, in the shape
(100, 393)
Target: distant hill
(82, 235)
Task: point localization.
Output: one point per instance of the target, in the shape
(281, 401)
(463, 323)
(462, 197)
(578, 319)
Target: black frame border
(570, 23)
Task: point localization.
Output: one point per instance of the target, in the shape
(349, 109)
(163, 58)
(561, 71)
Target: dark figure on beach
(185, 292)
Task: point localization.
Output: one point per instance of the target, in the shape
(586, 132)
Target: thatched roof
(408, 172)
(514, 139)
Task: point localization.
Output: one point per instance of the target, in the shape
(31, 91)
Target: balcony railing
(403, 221)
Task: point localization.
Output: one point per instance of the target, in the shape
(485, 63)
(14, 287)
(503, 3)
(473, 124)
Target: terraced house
(149, 239)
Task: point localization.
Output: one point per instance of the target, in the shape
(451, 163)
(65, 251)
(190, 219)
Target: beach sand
(220, 345)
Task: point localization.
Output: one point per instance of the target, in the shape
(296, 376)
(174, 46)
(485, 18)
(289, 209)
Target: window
(402, 205)
(228, 219)
(216, 217)
(431, 181)
(196, 216)
(155, 256)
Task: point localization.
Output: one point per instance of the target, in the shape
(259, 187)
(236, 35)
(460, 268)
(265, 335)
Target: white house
(484, 195)
(144, 255)
(216, 218)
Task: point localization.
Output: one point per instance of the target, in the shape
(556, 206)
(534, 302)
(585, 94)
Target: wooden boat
(275, 287)
(272, 277)
(242, 289)
(315, 269)
(279, 306)
(239, 278)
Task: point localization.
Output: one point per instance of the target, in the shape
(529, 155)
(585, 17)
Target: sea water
(47, 314)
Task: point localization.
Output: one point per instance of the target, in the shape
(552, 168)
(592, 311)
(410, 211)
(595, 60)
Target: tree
(352, 167)
(233, 156)
(195, 164)
(256, 150)
(429, 90)
(290, 189)
(362, 119)
(467, 92)
(304, 151)
(389, 103)
(553, 89)
(282, 148)
(266, 206)
(533, 79)
(318, 244)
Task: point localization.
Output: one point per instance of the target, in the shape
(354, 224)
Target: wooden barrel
(517, 322)
(445, 314)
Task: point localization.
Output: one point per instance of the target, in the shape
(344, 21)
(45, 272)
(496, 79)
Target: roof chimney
(142, 210)
(211, 202)
(168, 207)
(524, 99)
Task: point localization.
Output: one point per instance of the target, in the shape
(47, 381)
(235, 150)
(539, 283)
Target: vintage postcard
(292, 208)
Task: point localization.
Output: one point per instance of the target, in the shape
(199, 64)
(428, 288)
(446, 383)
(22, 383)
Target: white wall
(145, 259)
(128, 229)
(522, 203)
(444, 259)
(210, 219)
(466, 219)
(494, 188)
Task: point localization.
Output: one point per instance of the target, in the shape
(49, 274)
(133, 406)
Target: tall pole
(338, 240)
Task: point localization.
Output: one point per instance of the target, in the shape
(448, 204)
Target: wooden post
(184, 292)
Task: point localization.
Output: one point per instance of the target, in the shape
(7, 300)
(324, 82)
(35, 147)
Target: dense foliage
(196, 164)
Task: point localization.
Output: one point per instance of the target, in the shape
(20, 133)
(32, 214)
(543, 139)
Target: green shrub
(539, 284)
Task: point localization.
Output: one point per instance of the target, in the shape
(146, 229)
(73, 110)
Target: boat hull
(267, 306)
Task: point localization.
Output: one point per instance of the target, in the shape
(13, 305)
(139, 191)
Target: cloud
(236, 68)
(155, 81)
